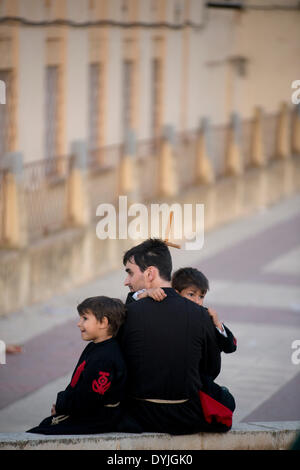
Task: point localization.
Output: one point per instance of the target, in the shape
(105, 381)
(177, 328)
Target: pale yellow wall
(114, 10)
(213, 45)
(77, 10)
(269, 40)
(32, 9)
(145, 11)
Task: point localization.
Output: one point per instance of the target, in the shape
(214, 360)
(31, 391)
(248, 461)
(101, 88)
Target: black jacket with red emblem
(90, 403)
(98, 379)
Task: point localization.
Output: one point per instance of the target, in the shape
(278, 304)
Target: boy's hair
(100, 307)
(152, 252)
(187, 277)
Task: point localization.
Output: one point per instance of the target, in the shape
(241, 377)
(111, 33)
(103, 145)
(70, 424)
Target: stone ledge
(243, 436)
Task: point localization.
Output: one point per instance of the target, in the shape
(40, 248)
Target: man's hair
(152, 252)
(100, 307)
(187, 277)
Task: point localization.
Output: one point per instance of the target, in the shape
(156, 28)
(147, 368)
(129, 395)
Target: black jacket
(98, 379)
(167, 346)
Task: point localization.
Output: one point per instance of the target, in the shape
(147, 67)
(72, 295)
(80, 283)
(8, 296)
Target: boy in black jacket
(90, 403)
(193, 285)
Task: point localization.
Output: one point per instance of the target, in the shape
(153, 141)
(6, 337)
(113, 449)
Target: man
(167, 346)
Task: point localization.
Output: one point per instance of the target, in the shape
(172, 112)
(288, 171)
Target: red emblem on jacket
(102, 384)
(77, 374)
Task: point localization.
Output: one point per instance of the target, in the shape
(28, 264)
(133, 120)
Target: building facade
(93, 69)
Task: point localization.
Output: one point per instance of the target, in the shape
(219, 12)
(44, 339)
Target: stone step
(243, 436)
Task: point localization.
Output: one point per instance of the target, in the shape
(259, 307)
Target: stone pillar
(168, 179)
(204, 170)
(14, 216)
(296, 131)
(257, 157)
(129, 177)
(78, 213)
(283, 141)
(233, 157)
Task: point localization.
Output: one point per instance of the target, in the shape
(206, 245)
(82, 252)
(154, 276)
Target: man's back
(166, 345)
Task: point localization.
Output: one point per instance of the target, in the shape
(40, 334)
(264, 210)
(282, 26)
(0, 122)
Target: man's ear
(152, 273)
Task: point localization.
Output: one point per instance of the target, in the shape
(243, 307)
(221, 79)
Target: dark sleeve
(229, 344)
(87, 391)
(210, 362)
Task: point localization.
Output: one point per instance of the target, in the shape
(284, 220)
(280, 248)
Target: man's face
(135, 279)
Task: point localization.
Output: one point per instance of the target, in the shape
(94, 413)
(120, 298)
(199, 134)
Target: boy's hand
(53, 410)
(156, 293)
(214, 316)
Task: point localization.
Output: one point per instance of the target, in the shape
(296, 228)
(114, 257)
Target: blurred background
(176, 101)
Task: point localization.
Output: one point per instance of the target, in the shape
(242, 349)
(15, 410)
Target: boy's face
(193, 293)
(91, 328)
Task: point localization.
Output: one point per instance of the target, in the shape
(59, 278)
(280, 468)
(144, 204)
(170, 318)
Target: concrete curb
(243, 436)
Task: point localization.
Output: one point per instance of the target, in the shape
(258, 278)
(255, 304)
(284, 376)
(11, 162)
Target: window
(51, 111)
(156, 84)
(6, 130)
(128, 67)
(94, 106)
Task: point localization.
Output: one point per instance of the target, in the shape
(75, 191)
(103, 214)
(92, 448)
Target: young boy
(193, 285)
(90, 403)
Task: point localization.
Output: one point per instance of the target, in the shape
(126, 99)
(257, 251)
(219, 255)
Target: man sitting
(167, 347)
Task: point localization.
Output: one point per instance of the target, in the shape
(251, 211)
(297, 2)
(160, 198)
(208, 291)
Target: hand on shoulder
(156, 293)
(214, 316)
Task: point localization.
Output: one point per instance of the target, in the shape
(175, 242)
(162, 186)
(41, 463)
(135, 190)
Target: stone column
(168, 178)
(14, 217)
(283, 141)
(204, 169)
(233, 157)
(129, 177)
(78, 212)
(257, 157)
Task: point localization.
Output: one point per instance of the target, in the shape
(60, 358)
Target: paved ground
(254, 269)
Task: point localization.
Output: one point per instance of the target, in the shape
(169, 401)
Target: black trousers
(210, 411)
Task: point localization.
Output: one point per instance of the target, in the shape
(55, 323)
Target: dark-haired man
(167, 345)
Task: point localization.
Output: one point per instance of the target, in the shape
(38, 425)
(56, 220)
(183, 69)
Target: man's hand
(53, 410)
(156, 293)
(214, 316)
